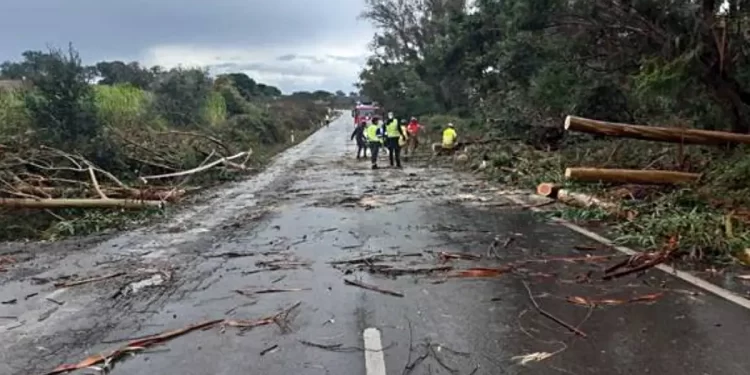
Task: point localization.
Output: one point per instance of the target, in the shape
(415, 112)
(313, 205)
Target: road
(315, 204)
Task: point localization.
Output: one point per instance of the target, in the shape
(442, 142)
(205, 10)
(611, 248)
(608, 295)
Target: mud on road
(465, 282)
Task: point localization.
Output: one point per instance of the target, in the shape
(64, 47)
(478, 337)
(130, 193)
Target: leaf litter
(107, 359)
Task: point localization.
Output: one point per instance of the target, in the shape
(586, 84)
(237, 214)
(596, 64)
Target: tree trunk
(653, 133)
(630, 176)
(78, 203)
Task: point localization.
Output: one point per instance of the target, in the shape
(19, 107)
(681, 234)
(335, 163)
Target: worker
(449, 138)
(359, 135)
(392, 134)
(412, 135)
(403, 139)
(373, 135)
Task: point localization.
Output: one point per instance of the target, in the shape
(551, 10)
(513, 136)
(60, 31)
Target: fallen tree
(630, 176)
(653, 133)
(78, 203)
(573, 198)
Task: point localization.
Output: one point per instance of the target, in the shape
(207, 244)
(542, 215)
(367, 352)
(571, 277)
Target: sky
(292, 44)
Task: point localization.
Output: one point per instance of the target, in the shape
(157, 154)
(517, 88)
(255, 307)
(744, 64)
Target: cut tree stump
(653, 133)
(630, 176)
(548, 189)
(78, 203)
(553, 191)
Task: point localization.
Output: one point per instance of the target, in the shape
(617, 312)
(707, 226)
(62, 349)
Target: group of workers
(394, 136)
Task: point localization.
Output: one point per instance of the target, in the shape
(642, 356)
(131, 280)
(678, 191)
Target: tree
(534, 61)
(117, 72)
(61, 102)
(340, 93)
(182, 94)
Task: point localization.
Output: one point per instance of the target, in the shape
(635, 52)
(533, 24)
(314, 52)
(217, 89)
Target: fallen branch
(78, 203)
(194, 170)
(550, 316)
(373, 288)
(89, 280)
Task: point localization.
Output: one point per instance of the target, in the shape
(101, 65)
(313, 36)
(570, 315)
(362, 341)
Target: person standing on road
(359, 135)
(413, 135)
(392, 134)
(373, 134)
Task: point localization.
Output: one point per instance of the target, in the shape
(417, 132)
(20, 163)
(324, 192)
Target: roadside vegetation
(511, 71)
(70, 131)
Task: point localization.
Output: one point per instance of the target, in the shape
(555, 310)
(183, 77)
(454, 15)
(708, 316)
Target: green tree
(118, 72)
(61, 102)
(182, 94)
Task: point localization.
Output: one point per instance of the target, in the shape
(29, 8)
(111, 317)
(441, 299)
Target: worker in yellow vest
(393, 133)
(449, 143)
(373, 135)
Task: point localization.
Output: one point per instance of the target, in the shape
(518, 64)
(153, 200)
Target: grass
(711, 220)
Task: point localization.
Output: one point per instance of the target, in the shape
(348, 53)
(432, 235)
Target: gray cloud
(129, 29)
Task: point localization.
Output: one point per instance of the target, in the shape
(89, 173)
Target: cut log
(630, 176)
(548, 189)
(584, 200)
(77, 203)
(653, 133)
(165, 194)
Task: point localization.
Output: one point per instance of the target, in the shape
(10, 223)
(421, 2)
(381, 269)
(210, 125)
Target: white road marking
(374, 359)
(684, 276)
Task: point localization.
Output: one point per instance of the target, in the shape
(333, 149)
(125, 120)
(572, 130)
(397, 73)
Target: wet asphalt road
(314, 204)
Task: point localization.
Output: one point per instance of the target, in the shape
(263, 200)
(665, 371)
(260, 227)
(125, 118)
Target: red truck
(365, 112)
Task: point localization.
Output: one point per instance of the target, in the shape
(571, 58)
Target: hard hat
(413, 119)
(403, 121)
(450, 124)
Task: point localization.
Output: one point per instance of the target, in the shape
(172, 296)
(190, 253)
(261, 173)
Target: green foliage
(118, 72)
(61, 104)
(181, 95)
(134, 121)
(215, 110)
(529, 63)
(121, 105)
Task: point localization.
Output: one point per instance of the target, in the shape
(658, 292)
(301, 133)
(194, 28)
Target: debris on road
(373, 288)
(398, 271)
(143, 343)
(638, 263)
(532, 357)
(334, 347)
(373, 258)
(89, 280)
(251, 293)
(268, 349)
(231, 254)
(483, 272)
(583, 301)
(550, 316)
(445, 256)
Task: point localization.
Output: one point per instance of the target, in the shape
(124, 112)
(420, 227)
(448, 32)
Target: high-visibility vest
(371, 133)
(449, 137)
(391, 130)
(402, 139)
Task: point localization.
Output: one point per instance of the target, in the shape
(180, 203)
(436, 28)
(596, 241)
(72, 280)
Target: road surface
(316, 204)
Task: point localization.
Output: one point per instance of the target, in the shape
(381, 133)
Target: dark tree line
(530, 62)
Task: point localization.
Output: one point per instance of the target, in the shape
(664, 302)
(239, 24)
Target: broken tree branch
(550, 316)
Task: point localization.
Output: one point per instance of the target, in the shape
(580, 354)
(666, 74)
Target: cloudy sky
(293, 44)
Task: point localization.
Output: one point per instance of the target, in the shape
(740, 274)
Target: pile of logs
(633, 176)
